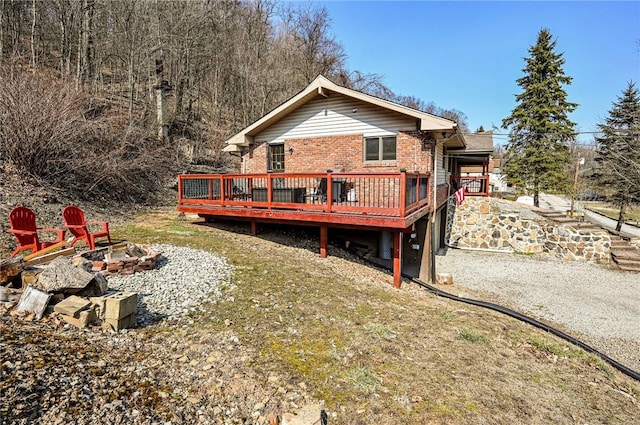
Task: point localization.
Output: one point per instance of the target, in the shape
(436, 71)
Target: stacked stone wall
(488, 223)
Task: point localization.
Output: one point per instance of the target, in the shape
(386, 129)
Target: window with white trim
(382, 148)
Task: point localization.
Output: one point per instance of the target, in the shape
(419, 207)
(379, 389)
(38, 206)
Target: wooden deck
(474, 185)
(376, 201)
(390, 202)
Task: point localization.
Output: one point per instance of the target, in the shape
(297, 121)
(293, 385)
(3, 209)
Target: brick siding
(343, 152)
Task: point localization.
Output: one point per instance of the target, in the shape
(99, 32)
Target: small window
(380, 148)
(275, 157)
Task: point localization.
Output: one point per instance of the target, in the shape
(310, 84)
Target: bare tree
(316, 50)
(66, 13)
(33, 34)
(1, 30)
(226, 63)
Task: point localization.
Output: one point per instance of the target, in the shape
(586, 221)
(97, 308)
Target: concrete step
(625, 255)
(588, 227)
(626, 247)
(630, 260)
(629, 267)
(566, 220)
(620, 242)
(622, 245)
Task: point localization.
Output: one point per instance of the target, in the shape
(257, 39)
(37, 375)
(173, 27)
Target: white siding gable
(335, 116)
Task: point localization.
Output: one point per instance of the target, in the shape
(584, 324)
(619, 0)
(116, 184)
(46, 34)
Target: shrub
(83, 145)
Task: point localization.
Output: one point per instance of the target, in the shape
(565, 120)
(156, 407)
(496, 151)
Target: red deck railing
(474, 185)
(389, 194)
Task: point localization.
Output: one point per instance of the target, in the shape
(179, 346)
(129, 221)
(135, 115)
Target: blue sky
(467, 55)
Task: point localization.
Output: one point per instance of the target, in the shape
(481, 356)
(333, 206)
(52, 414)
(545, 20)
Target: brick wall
(344, 152)
(442, 194)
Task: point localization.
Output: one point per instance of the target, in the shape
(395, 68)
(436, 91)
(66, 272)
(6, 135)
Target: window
(275, 157)
(380, 148)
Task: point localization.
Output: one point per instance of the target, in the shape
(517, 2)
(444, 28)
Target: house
(334, 157)
(471, 165)
(498, 180)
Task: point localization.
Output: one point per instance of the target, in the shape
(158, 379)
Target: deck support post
(397, 259)
(254, 228)
(324, 238)
(426, 261)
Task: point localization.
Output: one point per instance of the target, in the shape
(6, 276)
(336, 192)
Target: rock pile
(75, 288)
(67, 290)
(178, 282)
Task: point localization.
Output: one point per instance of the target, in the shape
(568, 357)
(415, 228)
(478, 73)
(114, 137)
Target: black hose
(516, 315)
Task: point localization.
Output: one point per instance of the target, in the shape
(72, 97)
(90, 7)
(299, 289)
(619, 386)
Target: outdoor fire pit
(123, 259)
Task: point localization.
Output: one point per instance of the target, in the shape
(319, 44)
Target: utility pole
(579, 162)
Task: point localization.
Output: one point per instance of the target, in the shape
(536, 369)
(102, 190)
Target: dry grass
(632, 213)
(376, 355)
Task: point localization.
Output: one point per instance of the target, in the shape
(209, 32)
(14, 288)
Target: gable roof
(322, 86)
(478, 143)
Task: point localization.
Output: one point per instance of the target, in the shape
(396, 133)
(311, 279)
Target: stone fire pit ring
(122, 259)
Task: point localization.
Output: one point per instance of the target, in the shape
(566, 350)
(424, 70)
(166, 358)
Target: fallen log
(10, 268)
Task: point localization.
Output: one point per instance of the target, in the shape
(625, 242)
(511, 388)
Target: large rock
(62, 276)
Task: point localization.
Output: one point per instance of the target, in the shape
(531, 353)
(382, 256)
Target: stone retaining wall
(489, 223)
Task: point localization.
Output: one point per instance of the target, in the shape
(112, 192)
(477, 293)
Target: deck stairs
(624, 255)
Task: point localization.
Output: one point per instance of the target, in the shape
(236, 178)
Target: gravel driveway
(598, 305)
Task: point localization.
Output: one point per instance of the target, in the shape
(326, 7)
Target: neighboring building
(472, 161)
(335, 157)
(498, 182)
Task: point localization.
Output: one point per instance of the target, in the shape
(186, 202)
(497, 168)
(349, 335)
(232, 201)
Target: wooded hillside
(107, 93)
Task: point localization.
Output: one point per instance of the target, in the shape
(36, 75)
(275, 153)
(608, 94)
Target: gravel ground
(182, 280)
(53, 373)
(600, 306)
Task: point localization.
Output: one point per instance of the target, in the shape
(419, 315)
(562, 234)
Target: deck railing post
(417, 198)
(180, 189)
(269, 190)
(329, 191)
(210, 189)
(223, 191)
(403, 191)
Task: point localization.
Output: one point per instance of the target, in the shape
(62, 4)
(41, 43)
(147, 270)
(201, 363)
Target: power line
(575, 133)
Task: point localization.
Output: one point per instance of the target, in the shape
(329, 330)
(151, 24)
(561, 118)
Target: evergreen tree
(618, 151)
(539, 127)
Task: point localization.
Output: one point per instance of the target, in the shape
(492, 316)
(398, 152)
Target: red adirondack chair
(23, 226)
(74, 221)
